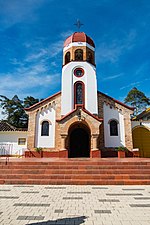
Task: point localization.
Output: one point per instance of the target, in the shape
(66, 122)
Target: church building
(79, 121)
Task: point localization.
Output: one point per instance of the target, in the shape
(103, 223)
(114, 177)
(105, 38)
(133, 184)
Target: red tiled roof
(5, 126)
(121, 103)
(43, 101)
(79, 37)
(50, 97)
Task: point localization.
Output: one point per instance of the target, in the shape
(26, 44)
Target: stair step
(78, 182)
(75, 167)
(91, 171)
(79, 171)
(76, 163)
(75, 176)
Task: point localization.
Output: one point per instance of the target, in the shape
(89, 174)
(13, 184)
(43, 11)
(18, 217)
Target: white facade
(9, 142)
(113, 114)
(68, 81)
(47, 114)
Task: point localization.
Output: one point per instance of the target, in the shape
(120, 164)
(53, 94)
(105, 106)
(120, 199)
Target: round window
(78, 72)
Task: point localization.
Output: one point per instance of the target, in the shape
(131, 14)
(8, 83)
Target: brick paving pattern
(74, 205)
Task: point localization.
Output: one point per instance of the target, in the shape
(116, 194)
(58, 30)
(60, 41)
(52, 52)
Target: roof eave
(44, 100)
(121, 103)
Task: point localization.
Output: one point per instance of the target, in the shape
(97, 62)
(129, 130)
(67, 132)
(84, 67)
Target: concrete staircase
(110, 171)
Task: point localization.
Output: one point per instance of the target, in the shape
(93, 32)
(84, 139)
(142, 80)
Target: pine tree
(138, 100)
(14, 111)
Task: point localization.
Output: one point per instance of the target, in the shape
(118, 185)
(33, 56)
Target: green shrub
(121, 148)
(38, 149)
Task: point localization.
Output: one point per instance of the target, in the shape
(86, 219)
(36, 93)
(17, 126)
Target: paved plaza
(90, 205)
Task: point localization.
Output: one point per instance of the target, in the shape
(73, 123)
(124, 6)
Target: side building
(13, 141)
(141, 132)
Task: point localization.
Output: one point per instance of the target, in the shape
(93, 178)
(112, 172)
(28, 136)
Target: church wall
(109, 114)
(55, 103)
(57, 127)
(89, 80)
(102, 99)
(31, 130)
(47, 114)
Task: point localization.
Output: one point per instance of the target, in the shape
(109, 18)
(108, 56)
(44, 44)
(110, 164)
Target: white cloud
(111, 51)
(16, 11)
(24, 79)
(131, 85)
(35, 70)
(112, 77)
(16, 62)
(29, 80)
(66, 34)
(54, 64)
(136, 83)
(142, 70)
(37, 50)
(36, 56)
(56, 48)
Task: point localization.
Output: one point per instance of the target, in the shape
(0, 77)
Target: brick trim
(84, 110)
(121, 103)
(41, 102)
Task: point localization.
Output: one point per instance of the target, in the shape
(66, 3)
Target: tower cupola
(79, 47)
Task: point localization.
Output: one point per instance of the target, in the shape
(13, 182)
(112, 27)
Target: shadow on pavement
(63, 221)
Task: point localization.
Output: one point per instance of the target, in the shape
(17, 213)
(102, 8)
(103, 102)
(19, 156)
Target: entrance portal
(79, 143)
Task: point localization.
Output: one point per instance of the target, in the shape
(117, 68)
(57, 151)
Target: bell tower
(79, 83)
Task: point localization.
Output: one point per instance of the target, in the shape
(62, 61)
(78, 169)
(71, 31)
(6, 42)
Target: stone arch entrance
(79, 141)
(141, 140)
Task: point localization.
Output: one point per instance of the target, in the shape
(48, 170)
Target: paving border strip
(30, 218)
(31, 204)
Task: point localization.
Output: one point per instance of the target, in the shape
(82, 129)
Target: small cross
(78, 24)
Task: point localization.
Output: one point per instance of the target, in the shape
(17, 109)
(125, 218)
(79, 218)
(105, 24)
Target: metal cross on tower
(78, 24)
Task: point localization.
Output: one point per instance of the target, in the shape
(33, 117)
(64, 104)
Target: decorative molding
(78, 44)
(112, 107)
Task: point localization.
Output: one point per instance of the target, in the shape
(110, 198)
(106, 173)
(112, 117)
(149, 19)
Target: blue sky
(32, 33)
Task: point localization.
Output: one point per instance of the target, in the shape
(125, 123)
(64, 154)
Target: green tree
(137, 99)
(14, 111)
(29, 101)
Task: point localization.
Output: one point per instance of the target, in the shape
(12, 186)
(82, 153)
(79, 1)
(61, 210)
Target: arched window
(113, 128)
(67, 57)
(79, 55)
(45, 128)
(79, 93)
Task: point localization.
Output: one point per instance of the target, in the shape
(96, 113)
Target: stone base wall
(57, 154)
